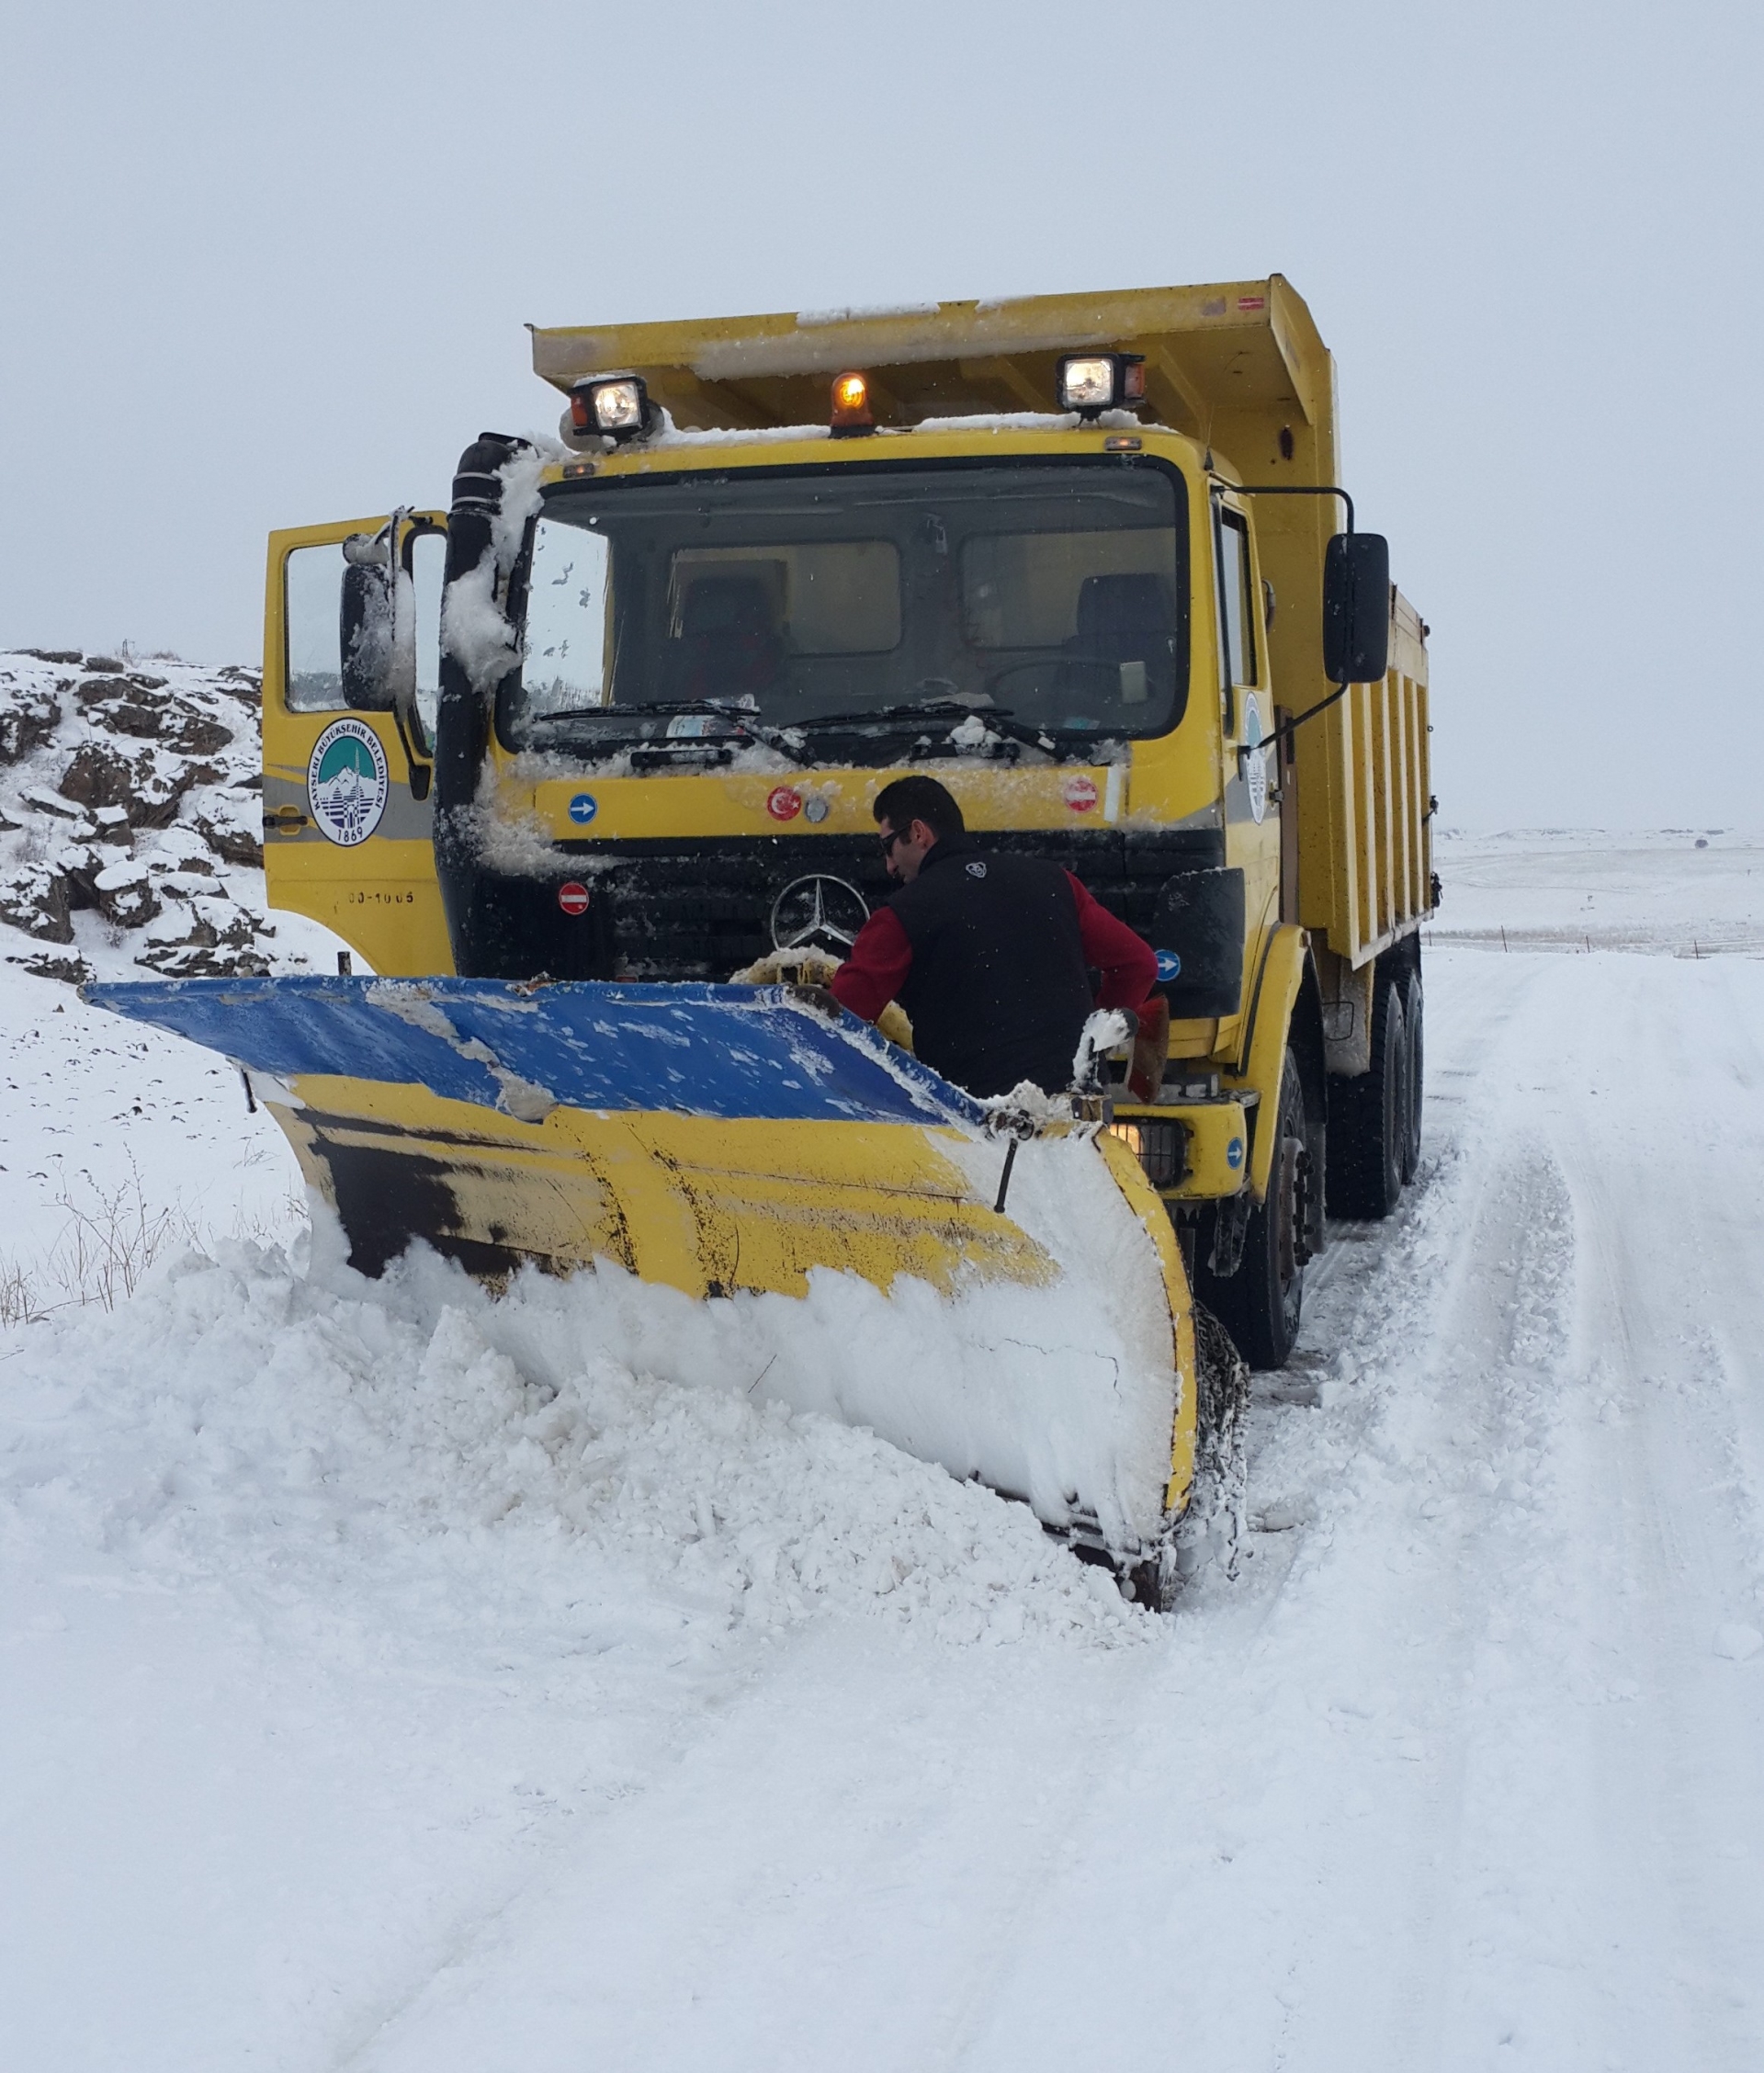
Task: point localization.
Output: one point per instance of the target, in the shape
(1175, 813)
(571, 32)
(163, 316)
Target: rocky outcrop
(131, 794)
(28, 718)
(39, 900)
(205, 939)
(126, 895)
(146, 788)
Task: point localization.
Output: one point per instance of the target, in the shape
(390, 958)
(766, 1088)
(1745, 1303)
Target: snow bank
(242, 1413)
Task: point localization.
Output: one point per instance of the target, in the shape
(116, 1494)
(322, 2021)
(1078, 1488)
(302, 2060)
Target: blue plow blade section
(725, 1051)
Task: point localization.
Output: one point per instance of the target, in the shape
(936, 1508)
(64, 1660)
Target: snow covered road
(341, 1727)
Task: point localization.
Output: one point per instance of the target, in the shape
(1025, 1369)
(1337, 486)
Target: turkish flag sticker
(785, 803)
(573, 898)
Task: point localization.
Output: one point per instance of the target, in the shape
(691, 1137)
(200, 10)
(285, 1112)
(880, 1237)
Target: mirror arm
(1220, 487)
(419, 769)
(1288, 728)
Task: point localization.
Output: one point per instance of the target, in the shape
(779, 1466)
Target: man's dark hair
(919, 799)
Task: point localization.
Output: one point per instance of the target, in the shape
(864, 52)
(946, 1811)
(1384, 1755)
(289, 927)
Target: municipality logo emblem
(347, 783)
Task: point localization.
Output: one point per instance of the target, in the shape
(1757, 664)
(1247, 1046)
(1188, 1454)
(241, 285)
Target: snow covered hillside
(393, 1678)
(131, 846)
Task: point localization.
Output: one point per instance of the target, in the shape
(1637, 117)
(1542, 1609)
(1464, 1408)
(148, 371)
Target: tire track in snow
(1372, 1835)
(1666, 1542)
(1583, 1917)
(1240, 1849)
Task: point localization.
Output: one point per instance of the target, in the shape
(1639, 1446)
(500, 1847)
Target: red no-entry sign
(573, 898)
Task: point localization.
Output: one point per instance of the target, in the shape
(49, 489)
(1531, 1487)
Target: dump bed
(1364, 825)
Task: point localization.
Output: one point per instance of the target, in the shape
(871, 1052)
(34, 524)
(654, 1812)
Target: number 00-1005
(380, 900)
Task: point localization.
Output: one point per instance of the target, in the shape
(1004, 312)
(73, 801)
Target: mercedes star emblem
(818, 911)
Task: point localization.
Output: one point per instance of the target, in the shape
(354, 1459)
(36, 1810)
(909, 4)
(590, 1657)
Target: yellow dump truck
(616, 719)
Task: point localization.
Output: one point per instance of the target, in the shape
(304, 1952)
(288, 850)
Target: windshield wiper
(871, 715)
(997, 720)
(744, 723)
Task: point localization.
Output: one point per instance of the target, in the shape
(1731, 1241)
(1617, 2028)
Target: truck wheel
(1412, 1022)
(1369, 1117)
(1260, 1304)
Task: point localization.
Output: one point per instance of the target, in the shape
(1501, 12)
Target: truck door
(346, 771)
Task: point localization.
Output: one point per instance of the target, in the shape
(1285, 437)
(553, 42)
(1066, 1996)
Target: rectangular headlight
(618, 407)
(1091, 383)
(1087, 384)
(1161, 1148)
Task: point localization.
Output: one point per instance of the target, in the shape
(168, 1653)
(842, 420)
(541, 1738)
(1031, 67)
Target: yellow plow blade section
(708, 1206)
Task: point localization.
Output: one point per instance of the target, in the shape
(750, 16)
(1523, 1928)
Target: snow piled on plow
(1064, 1395)
(592, 1435)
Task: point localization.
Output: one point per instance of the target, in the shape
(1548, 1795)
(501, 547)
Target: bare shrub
(20, 1300)
(110, 1239)
(108, 1243)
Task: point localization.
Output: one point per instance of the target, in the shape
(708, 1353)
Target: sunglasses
(898, 834)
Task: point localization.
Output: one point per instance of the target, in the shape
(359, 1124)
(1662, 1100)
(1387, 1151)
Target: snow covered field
(393, 1680)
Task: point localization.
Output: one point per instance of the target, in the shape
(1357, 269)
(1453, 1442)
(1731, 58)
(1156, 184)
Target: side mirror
(366, 636)
(1356, 608)
(378, 670)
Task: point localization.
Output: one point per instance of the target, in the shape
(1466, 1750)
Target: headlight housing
(1091, 383)
(617, 406)
(1161, 1148)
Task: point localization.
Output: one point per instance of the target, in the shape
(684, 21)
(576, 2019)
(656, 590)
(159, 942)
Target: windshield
(1042, 603)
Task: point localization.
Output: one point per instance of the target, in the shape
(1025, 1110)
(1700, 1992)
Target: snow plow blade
(831, 1199)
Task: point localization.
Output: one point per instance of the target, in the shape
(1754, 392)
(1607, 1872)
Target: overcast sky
(268, 265)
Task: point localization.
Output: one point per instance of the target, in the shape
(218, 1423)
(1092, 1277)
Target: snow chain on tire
(1221, 1468)
(1212, 1528)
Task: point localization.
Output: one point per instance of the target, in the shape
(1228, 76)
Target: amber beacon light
(851, 412)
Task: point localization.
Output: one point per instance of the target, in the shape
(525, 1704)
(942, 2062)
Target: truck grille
(700, 909)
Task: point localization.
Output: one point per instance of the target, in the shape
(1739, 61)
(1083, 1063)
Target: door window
(1237, 623)
(314, 595)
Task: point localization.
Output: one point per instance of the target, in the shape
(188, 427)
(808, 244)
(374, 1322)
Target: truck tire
(1369, 1117)
(1412, 1022)
(1261, 1305)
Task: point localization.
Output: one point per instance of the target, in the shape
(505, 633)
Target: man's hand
(821, 999)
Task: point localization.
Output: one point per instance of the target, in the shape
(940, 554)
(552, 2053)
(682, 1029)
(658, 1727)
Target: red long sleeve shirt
(881, 957)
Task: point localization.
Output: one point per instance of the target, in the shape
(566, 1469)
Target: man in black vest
(990, 955)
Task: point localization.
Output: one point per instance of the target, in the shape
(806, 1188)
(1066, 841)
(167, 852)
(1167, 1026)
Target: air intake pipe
(500, 923)
(474, 621)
